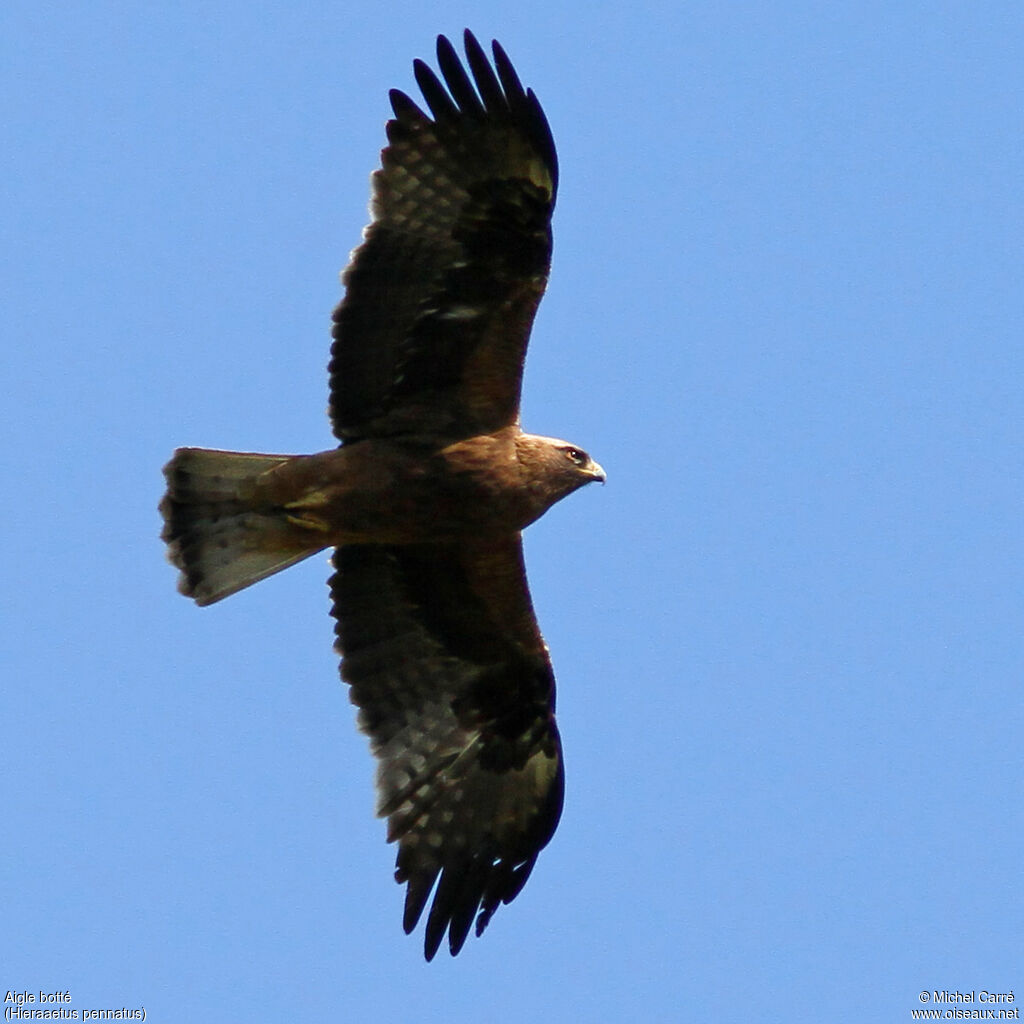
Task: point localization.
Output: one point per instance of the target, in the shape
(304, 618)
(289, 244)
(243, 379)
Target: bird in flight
(425, 496)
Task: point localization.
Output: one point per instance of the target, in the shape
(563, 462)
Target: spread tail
(218, 533)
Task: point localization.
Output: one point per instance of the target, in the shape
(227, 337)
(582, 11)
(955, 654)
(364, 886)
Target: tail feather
(217, 532)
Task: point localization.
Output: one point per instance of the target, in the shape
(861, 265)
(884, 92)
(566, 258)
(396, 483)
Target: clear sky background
(785, 314)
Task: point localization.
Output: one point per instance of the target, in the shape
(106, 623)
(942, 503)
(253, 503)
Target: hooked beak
(596, 472)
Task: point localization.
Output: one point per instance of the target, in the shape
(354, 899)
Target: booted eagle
(424, 498)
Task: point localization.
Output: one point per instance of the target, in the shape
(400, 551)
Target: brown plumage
(426, 495)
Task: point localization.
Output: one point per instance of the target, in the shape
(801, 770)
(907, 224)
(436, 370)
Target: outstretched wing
(440, 297)
(455, 689)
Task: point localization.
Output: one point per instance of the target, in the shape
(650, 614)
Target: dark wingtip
(405, 108)
(432, 941)
(498, 91)
(457, 80)
(442, 106)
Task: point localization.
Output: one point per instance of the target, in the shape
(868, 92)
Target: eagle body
(405, 491)
(426, 494)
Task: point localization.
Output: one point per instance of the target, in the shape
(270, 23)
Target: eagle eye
(577, 457)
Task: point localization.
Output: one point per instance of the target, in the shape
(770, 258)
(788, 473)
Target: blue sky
(786, 316)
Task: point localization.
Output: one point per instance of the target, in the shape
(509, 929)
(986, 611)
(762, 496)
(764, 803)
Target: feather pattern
(455, 690)
(441, 296)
